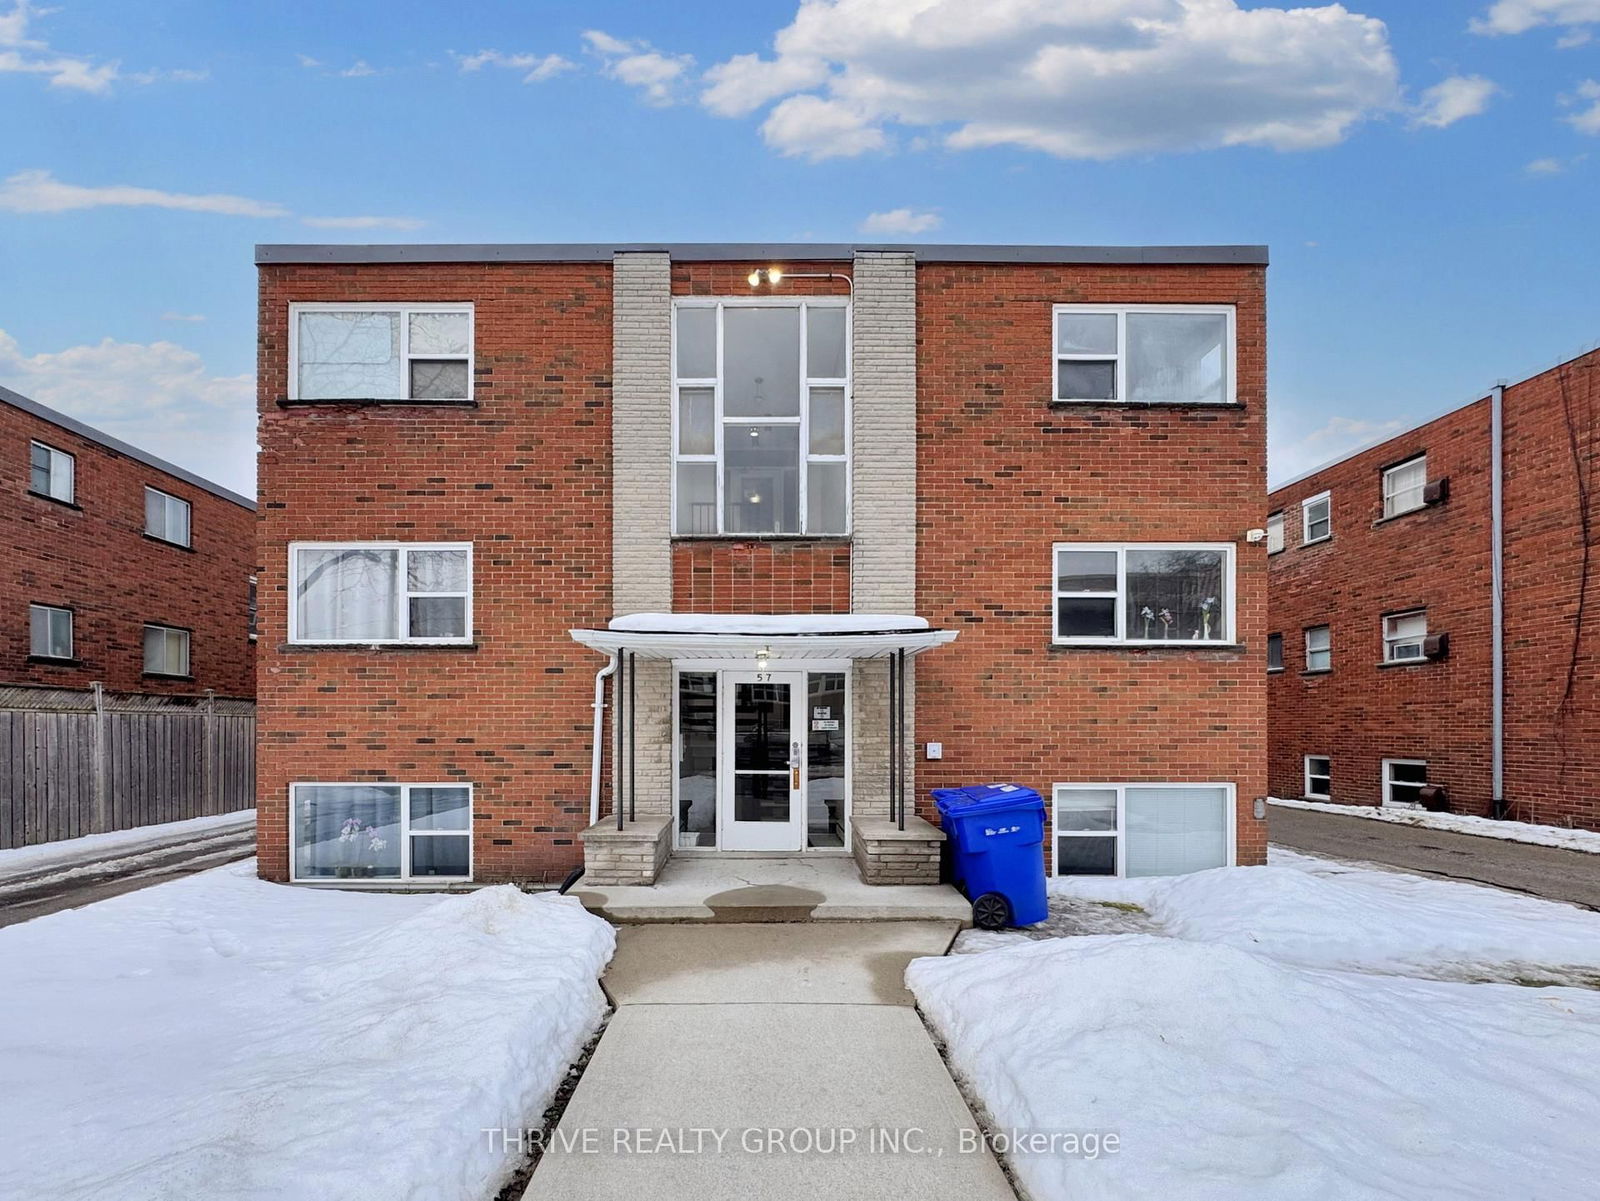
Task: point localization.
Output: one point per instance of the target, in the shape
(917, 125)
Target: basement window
(1403, 780)
(1319, 778)
(376, 832)
(1141, 829)
(1149, 354)
(380, 352)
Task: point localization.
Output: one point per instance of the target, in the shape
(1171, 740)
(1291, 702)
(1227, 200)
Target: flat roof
(597, 252)
(73, 425)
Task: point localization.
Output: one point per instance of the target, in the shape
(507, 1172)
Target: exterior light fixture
(763, 656)
(771, 276)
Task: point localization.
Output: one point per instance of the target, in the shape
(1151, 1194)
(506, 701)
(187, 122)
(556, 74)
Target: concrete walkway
(1549, 872)
(768, 1061)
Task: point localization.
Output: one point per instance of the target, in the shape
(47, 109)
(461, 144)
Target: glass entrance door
(762, 761)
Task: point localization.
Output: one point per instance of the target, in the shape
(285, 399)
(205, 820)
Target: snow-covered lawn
(1305, 1030)
(219, 1037)
(1459, 823)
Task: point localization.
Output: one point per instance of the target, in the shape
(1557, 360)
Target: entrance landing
(797, 888)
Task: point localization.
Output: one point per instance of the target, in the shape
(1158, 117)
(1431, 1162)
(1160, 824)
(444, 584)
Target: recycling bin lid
(995, 796)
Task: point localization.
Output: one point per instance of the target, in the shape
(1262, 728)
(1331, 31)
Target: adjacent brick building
(766, 475)
(119, 568)
(1398, 568)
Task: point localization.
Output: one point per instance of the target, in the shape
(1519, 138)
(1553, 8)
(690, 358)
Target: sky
(1424, 173)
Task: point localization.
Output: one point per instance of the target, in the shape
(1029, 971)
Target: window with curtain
(1319, 649)
(49, 632)
(1316, 517)
(382, 352)
(51, 472)
(1274, 533)
(166, 651)
(1162, 354)
(382, 831)
(1404, 485)
(1140, 829)
(381, 592)
(761, 417)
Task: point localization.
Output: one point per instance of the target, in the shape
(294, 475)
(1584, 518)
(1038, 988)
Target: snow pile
(221, 1037)
(1321, 913)
(1461, 823)
(118, 845)
(1227, 1074)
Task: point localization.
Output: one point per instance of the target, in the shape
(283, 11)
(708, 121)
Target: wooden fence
(75, 763)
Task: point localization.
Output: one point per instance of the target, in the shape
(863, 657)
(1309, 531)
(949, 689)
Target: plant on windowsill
(352, 834)
(1206, 606)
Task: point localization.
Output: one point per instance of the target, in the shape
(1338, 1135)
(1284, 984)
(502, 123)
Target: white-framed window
(1316, 518)
(1141, 829)
(1274, 652)
(166, 517)
(1151, 354)
(1142, 592)
(1403, 486)
(761, 416)
(1274, 533)
(1319, 777)
(51, 472)
(372, 592)
(1403, 636)
(49, 632)
(380, 831)
(166, 650)
(1319, 649)
(380, 352)
(1402, 782)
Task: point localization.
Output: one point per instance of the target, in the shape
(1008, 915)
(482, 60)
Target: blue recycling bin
(996, 838)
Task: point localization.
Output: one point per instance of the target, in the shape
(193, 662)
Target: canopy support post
(633, 732)
(900, 735)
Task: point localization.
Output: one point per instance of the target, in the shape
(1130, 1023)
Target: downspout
(599, 735)
(1497, 614)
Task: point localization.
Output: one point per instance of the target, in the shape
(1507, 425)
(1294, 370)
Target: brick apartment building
(1383, 612)
(120, 568)
(769, 504)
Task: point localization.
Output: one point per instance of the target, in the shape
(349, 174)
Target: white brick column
(641, 433)
(883, 554)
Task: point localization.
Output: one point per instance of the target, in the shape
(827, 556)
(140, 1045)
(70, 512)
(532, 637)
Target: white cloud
(535, 68)
(158, 396)
(1454, 99)
(359, 69)
(26, 55)
(900, 221)
(308, 62)
(1074, 78)
(1553, 166)
(363, 222)
(1519, 16)
(193, 318)
(36, 191)
(1585, 120)
(640, 65)
(1288, 458)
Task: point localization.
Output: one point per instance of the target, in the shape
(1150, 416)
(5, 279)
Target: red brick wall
(761, 576)
(525, 477)
(1361, 713)
(93, 558)
(1002, 474)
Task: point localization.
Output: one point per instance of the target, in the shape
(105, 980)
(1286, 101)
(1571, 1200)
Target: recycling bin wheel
(991, 911)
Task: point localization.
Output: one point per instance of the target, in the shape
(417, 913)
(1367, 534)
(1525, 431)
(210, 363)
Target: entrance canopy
(785, 636)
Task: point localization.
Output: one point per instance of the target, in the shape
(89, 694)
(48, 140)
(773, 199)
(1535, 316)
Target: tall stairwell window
(761, 417)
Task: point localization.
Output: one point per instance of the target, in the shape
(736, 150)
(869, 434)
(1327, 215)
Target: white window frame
(1328, 650)
(1389, 493)
(188, 650)
(1121, 312)
(1311, 794)
(1271, 669)
(64, 461)
(720, 420)
(1230, 819)
(402, 594)
(1392, 641)
(406, 833)
(1389, 782)
(1321, 498)
(168, 500)
(1225, 605)
(72, 633)
(1275, 524)
(405, 309)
